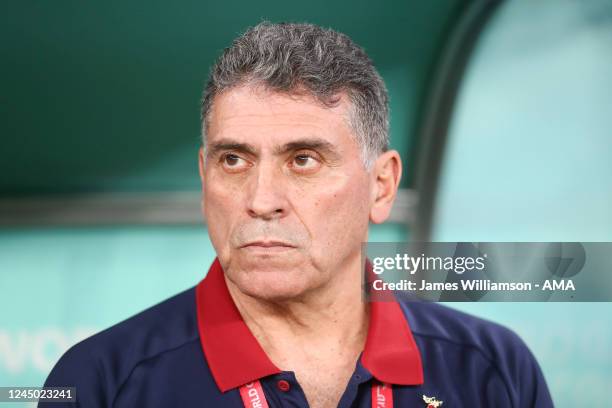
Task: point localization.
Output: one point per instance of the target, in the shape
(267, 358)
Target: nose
(267, 194)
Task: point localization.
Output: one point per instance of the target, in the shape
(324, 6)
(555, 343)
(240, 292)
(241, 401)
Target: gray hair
(290, 57)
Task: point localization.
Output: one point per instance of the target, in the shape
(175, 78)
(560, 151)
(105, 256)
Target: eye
(233, 162)
(305, 162)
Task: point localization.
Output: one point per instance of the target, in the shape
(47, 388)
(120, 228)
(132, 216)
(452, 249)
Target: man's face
(285, 193)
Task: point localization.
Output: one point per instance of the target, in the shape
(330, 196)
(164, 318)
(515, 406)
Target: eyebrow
(228, 144)
(306, 143)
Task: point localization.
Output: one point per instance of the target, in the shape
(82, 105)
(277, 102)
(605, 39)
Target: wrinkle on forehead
(236, 107)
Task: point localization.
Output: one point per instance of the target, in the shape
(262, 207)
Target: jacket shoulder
(497, 346)
(98, 365)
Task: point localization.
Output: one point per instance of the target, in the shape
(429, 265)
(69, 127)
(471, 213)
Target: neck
(331, 320)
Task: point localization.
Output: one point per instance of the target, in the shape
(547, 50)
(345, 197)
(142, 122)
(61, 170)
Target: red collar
(235, 357)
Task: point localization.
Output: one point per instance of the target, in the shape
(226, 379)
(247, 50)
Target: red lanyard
(253, 396)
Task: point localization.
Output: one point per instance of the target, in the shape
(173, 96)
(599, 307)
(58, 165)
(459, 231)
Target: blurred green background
(101, 100)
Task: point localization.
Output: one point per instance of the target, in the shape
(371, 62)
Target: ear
(201, 167)
(201, 163)
(386, 173)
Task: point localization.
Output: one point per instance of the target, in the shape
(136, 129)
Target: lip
(268, 245)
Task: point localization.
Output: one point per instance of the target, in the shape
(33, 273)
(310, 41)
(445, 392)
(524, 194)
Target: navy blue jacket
(194, 350)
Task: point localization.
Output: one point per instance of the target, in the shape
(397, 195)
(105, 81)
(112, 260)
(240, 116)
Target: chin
(272, 284)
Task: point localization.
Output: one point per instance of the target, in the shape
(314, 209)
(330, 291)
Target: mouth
(268, 246)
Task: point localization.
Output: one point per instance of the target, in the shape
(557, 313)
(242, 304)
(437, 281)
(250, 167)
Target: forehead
(252, 113)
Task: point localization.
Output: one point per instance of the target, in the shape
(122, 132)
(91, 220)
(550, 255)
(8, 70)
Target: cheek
(340, 214)
(220, 203)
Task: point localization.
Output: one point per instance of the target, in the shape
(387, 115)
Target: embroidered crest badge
(432, 402)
